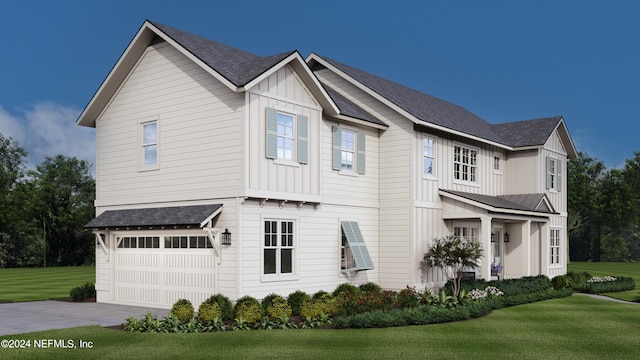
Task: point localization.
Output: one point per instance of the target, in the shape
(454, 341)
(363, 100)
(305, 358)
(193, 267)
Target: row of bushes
(84, 291)
(348, 306)
(584, 282)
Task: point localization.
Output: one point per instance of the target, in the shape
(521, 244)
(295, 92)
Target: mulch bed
(70, 299)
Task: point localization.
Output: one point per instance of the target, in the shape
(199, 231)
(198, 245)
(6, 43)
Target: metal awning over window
(358, 247)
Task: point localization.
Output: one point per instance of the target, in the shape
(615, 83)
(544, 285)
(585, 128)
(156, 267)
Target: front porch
(513, 231)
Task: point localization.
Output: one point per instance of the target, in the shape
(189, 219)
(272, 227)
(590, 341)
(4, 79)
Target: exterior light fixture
(506, 237)
(226, 237)
(493, 237)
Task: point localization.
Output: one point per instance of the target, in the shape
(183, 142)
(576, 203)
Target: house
(221, 171)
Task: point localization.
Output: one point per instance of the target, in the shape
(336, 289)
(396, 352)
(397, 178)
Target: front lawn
(575, 327)
(32, 284)
(628, 269)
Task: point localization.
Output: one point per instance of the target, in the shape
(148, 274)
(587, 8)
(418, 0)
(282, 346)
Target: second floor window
(347, 147)
(553, 174)
(428, 157)
(285, 136)
(465, 164)
(150, 143)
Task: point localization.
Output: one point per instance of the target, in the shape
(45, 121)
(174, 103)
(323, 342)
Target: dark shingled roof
(424, 107)
(165, 216)
(237, 66)
(350, 109)
(523, 202)
(528, 132)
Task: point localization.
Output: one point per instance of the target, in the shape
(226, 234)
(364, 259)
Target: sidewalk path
(25, 317)
(602, 297)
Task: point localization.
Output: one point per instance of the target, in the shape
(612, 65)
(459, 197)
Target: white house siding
(271, 178)
(397, 181)
(524, 172)
(200, 127)
(317, 240)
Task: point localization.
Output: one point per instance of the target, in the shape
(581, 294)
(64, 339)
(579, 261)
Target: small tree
(452, 254)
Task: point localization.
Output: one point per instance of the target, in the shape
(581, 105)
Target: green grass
(628, 269)
(31, 284)
(577, 327)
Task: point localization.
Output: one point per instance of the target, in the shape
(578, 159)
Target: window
(554, 246)
(554, 173)
(465, 164)
(466, 232)
(150, 144)
(354, 253)
(278, 247)
(348, 150)
(497, 163)
(286, 136)
(428, 157)
(187, 242)
(142, 242)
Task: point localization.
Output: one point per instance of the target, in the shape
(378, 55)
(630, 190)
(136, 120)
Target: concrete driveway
(25, 317)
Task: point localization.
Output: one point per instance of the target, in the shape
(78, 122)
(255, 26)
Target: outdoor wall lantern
(506, 237)
(226, 237)
(493, 237)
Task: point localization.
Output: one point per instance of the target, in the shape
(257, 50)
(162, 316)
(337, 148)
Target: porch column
(526, 247)
(485, 239)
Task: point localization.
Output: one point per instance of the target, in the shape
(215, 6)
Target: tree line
(604, 210)
(42, 211)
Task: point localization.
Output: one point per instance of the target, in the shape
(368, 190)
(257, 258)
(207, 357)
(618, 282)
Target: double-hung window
(348, 150)
(469, 233)
(554, 173)
(279, 246)
(465, 164)
(287, 136)
(428, 155)
(149, 151)
(554, 246)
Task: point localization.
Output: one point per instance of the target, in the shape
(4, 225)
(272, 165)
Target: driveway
(25, 317)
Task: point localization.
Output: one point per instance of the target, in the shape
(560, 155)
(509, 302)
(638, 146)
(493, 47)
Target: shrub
(278, 309)
(314, 308)
(370, 287)
(562, 282)
(319, 294)
(82, 292)
(209, 311)
(266, 301)
(248, 312)
(603, 285)
(345, 288)
(579, 280)
(295, 300)
(225, 305)
(366, 301)
(183, 310)
(408, 297)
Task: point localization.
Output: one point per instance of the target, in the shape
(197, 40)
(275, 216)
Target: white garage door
(156, 270)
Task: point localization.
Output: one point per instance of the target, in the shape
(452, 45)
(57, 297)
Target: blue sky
(502, 60)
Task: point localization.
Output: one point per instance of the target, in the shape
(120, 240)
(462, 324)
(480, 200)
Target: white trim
(360, 122)
(102, 244)
(141, 124)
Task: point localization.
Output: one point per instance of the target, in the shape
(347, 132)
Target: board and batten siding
(317, 241)
(199, 133)
(270, 178)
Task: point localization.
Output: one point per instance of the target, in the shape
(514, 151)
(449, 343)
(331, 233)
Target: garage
(155, 256)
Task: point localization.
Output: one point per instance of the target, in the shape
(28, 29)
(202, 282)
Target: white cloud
(49, 129)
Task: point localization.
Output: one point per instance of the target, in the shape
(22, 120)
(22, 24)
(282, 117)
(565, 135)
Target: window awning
(357, 245)
(175, 216)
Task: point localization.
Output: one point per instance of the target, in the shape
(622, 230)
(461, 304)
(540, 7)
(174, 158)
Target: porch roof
(175, 216)
(533, 204)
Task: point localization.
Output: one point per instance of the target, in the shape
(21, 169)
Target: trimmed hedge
(621, 283)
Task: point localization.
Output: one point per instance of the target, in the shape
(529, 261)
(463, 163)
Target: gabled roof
(237, 66)
(528, 203)
(237, 69)
(179, 216)
(533, 133)
(352, 110)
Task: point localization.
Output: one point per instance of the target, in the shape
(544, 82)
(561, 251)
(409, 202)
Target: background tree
(62, 203)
